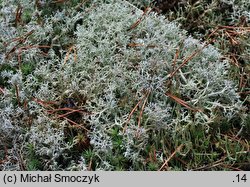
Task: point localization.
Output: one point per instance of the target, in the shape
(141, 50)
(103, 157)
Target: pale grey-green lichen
(117, 64)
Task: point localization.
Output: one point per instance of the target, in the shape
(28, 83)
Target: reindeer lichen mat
(143, 76)
(129, 83)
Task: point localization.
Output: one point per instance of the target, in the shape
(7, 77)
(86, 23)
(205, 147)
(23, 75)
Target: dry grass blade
(21, 161)
(213, 33)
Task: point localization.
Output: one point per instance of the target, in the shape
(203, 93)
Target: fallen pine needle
(171, 156)
(141, 112)
(1, 90)
(182, 102)
(130, 115)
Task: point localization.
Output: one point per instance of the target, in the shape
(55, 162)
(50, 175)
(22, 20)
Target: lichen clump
(132, 74)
